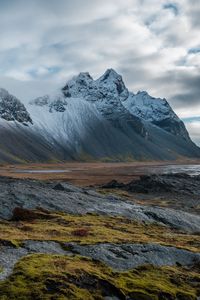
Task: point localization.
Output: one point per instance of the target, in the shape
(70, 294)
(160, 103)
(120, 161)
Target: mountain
(157, 111)
(91, 119)
(11, 109)
(18, 142)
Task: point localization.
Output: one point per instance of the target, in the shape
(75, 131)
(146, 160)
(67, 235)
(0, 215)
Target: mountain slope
(157, 111)
(92, 119)
(18, 142)
(11, 109)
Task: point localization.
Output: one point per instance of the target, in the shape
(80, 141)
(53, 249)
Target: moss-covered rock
(59, 277)
(92, 229)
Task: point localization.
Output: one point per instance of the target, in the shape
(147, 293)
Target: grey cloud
(46, 42)
(188, 93)
(173, 7)
(194, 129)
(194, 50)
(193, 12)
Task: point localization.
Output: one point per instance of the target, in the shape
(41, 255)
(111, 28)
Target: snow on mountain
(11, 109)
(107, 93)
(149, 108)
(157, 111)
(92, 119)
(120, 106)
(64, 121)
(109, 86)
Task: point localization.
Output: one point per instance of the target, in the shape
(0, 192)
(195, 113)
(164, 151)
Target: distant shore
(91, 173)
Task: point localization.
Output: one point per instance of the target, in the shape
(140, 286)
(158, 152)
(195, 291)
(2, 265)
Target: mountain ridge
(97, 119)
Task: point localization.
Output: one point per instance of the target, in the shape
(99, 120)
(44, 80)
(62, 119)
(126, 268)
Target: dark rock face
(11, 109)
(114, 184)
(58, 105)
(167, 183)
(175, 127)
(180, 183)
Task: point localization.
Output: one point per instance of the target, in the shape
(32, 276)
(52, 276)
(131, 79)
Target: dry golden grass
(88, 173)
(95, 229)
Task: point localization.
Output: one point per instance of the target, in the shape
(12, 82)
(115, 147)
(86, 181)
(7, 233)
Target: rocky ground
(178, 191)
(59, 241)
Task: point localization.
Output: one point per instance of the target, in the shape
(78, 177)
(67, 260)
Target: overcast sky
(154, 44)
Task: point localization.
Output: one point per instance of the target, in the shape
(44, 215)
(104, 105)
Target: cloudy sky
(154, 44)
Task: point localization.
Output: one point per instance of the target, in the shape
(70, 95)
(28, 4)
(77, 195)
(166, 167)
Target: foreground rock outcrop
(166, 183)
(58, 241)
(128, 256)
(9, 255)
(179, 191)
(33, 194)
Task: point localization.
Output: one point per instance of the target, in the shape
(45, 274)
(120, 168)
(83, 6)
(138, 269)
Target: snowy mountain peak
(85, 76)
(113, 82)
(156, 111)
(110, 86)
(110, 74)
(149, 108)
(11, 109)
(143, 93)
(115, 102)
(93, 118)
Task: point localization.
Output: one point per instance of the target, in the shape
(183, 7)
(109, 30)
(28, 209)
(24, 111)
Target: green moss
(98, 229)
(118, 192)
(59, 277)
(158, 283)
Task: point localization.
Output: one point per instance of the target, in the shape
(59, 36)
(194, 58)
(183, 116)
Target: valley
(97, 173)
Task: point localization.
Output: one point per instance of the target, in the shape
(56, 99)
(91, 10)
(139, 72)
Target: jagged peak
(12, 109)
(6, 96)
(113, 81)
(110, 74)
(147, 95)
(82, 76)
(82, 79)
(142, 93)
